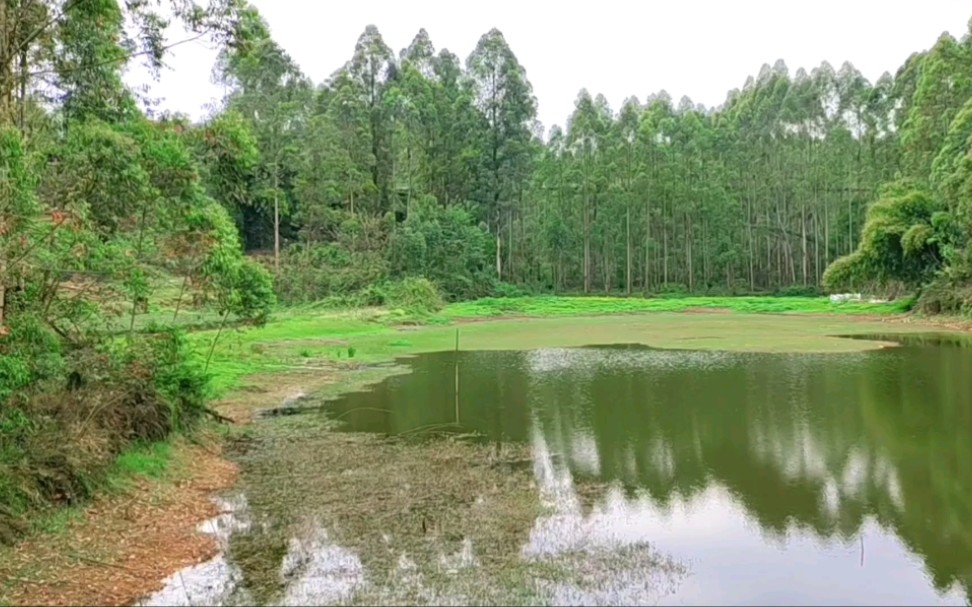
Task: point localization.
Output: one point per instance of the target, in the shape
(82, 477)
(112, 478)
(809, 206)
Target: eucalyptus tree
(628, 167)
(370, 74)
(269, 90)
(505, 100)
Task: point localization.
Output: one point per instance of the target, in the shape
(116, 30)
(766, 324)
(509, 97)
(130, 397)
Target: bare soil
(121, 547)
(269, 390)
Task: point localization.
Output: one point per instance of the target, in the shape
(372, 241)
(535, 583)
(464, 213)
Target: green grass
(570, 306)
(298, 339)
(144, 460)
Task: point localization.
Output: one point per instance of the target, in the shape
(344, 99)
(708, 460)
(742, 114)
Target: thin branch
(124, 59)
(35, 244)
(43, 27)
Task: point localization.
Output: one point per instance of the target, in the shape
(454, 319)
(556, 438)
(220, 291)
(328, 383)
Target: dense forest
(415, 167)
(402, 164)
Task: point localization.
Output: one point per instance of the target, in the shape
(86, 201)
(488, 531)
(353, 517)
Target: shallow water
(772, 478)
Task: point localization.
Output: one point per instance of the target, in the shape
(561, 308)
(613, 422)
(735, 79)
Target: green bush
(415, 295)
(312, 272)
(505, 289)
(446, 246)
(255, 297)
(59, 439)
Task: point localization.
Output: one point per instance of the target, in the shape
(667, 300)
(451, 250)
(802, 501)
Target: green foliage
(414, 295)
(505, 289)
(228, 159)
(312, 272)
(254, 294)
(798, 291)
(445, 246)
(90, 60)
(99, 175)
(30, 353)
(567, 306)
(61, 442)
(898, 242)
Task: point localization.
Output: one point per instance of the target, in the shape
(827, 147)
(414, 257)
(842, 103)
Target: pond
(747, 478)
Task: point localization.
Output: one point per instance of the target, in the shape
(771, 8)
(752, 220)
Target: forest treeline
(403, 172)
(421, 163)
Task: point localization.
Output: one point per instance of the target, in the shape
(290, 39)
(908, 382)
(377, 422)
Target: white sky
(699, 48)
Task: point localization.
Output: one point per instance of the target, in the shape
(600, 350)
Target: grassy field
(300, 340)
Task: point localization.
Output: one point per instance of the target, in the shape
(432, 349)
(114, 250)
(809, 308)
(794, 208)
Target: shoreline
(163, 514)
(122, 546)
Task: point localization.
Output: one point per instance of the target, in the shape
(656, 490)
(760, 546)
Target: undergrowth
(71, 435)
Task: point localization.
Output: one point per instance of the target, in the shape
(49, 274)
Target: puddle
(216, 581)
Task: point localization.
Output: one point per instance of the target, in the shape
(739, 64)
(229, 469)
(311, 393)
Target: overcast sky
(699, 48)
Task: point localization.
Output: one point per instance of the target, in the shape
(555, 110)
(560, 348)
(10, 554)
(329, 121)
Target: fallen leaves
(123, 546)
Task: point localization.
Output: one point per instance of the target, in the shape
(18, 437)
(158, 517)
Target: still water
(775, 478)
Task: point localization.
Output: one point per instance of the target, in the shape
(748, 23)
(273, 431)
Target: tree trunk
(826, 230)
(276, 220)
(627, 223)
(647, 284)
(705, 253)
(509, 245)
(24, 75)
(688, 254)
(6, 67)
(752, 253)
(665, 253)
(499, 258)
(408, 195)
(806, 262)
(587, 248)
(607, 269)
(850, 225)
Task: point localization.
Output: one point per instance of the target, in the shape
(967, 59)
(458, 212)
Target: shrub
(316, 271)
(505, 289)
(415, 295)
(58, 440)
(255, 297)
(672, 289)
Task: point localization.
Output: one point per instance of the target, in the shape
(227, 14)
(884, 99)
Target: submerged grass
(428, 521)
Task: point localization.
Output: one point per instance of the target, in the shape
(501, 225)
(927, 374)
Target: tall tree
(268, 88)
(504, 96)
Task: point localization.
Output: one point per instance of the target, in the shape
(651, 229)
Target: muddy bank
(122, 546)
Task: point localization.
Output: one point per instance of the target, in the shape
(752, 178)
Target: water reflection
(770, 474)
